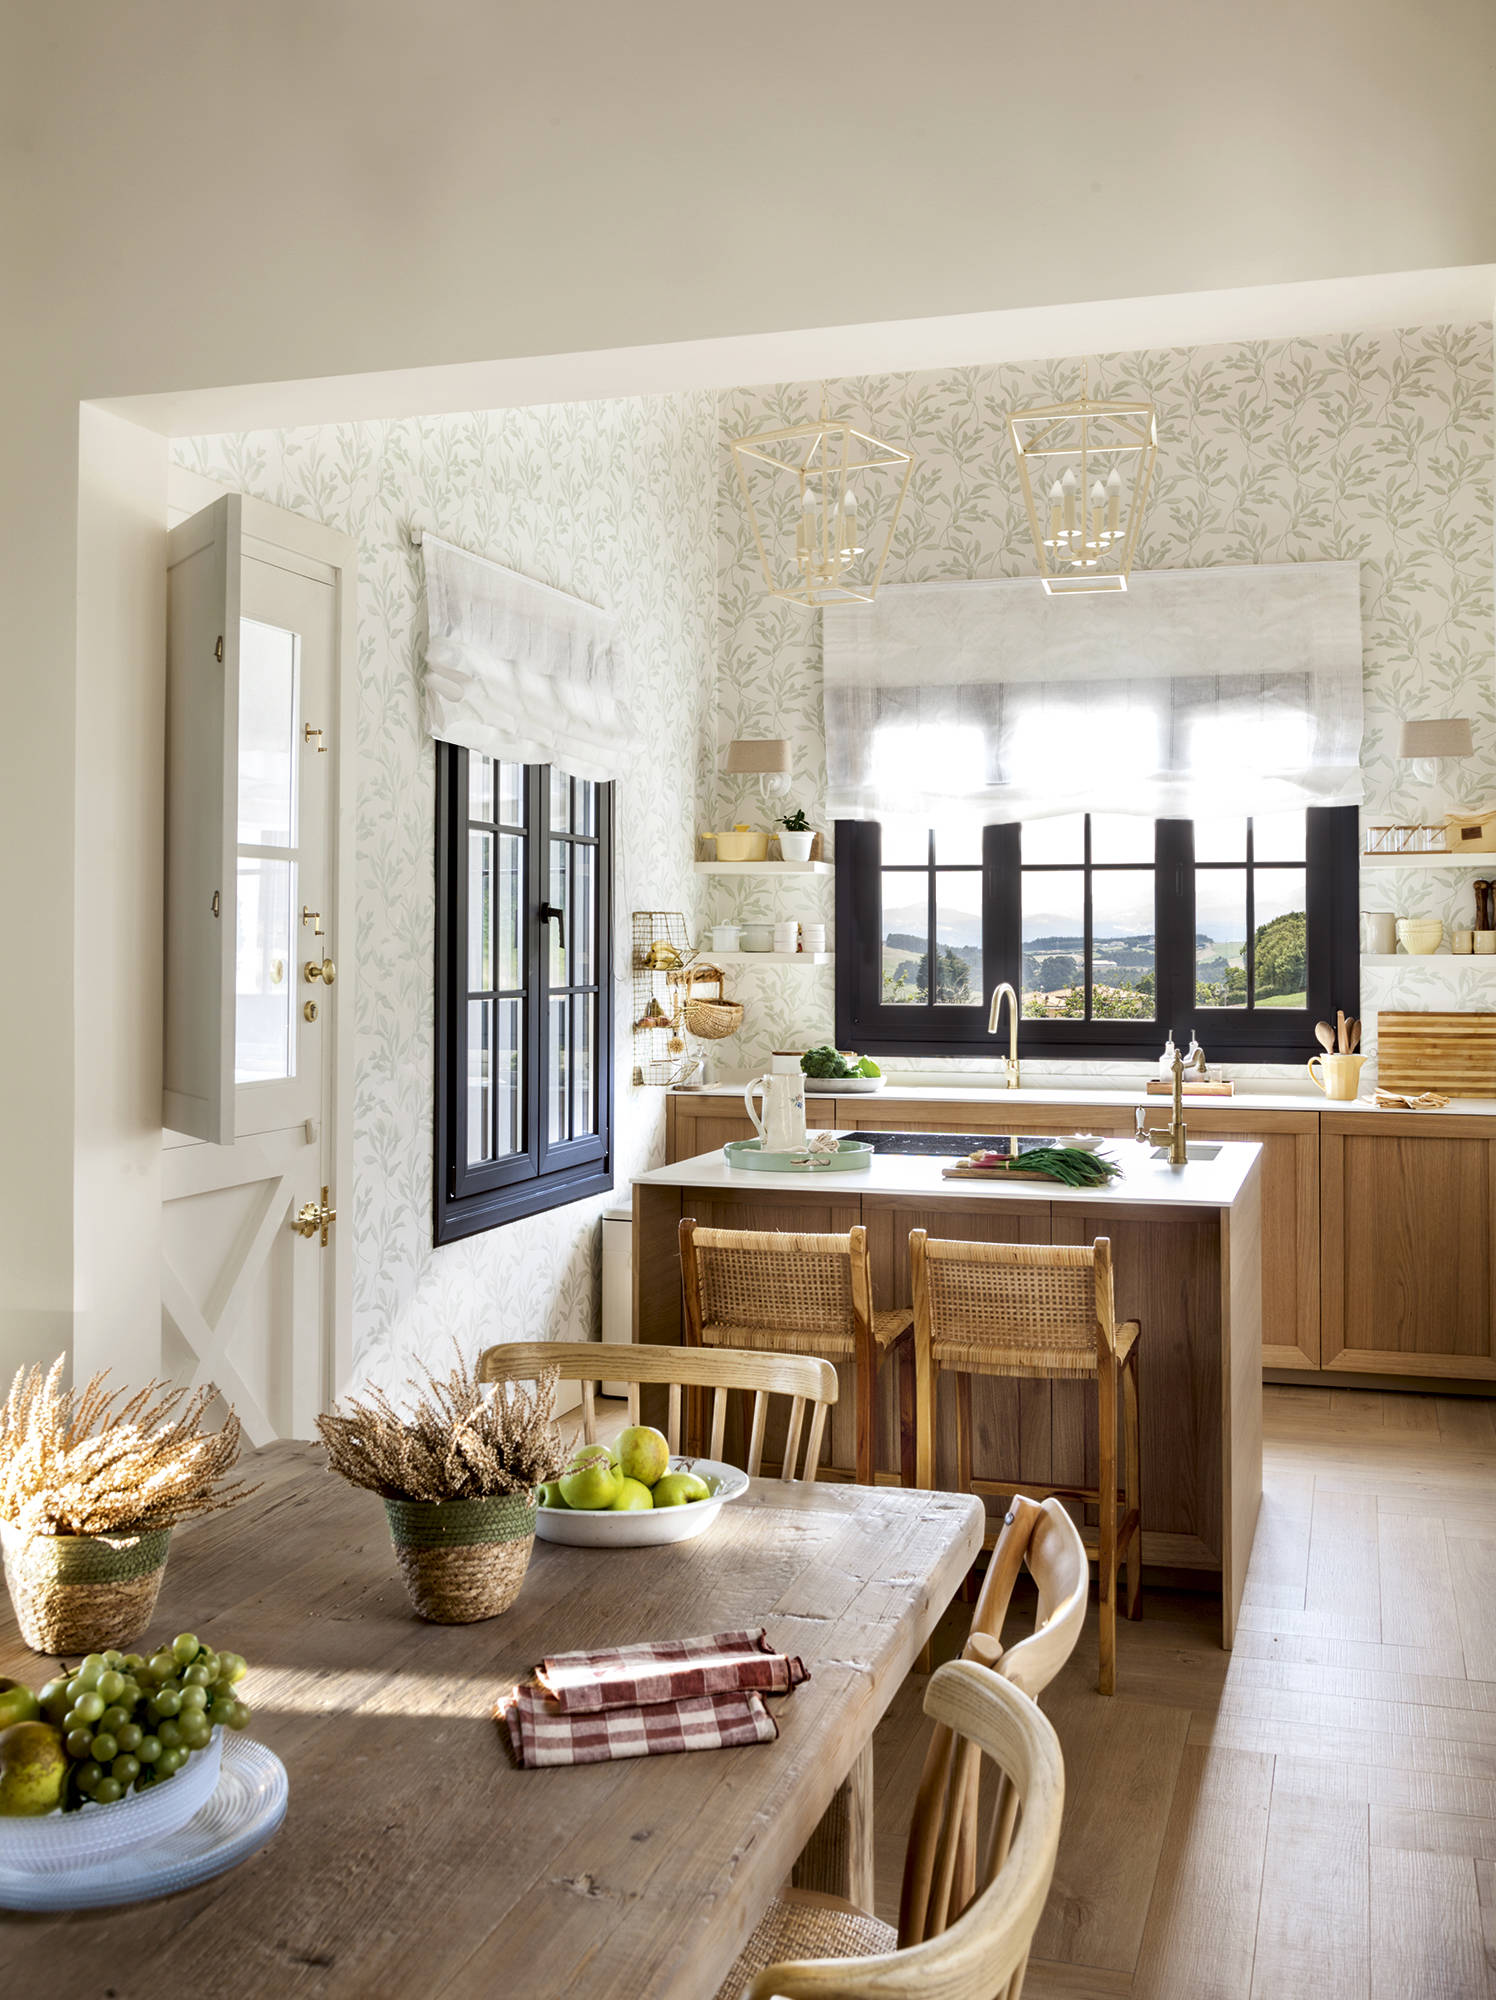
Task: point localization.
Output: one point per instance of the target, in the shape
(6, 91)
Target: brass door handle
(326, 971)
(312, 1218)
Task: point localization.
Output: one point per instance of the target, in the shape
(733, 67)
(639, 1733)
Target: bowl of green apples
(116, 1754)
(635, 1494)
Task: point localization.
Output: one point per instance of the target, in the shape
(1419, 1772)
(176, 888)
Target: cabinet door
(1408, 1214)
(1290, 1230)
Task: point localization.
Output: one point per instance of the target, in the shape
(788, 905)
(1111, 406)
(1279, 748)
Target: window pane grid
(1273, 872)
(571, 983)
(496, 843)
(1076, 965)
(931, 914)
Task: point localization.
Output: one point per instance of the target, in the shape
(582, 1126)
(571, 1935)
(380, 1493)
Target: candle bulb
(805, 532)
(849, 525)
(1067, 487)
(1097, 498)
(1114, 501)
(1056, 512)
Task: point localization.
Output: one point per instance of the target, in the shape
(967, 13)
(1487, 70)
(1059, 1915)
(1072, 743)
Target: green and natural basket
(81, 1593)
(709, 1019)
(463, 1559)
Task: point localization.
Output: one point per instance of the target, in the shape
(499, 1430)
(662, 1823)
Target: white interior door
(249, 1226)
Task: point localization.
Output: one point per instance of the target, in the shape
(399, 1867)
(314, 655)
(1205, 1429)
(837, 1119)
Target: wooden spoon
(1354, 1031)
(1324, 1034)
(1342, 1044)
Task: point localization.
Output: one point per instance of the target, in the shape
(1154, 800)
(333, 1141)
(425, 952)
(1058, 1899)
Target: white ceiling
(198, 195)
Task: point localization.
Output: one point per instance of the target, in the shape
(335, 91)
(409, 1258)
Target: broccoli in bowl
(826, 1061)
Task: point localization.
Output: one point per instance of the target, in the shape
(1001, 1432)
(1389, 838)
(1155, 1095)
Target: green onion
(1070, 1164)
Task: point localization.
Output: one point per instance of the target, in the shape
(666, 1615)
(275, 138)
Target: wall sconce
(1429, 741)
(766, 758)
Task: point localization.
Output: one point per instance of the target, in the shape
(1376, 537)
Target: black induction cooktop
(943, 1145)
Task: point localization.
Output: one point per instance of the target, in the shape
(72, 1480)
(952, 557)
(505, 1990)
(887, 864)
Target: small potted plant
(796, 835)
(90, 1490)
(458, 1472)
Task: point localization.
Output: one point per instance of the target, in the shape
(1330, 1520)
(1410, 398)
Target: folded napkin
(648, 1700)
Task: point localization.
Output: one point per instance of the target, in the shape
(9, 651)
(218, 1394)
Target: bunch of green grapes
(129, 1722)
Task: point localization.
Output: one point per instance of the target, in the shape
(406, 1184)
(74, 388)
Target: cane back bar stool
(1037, 1313)
(783, 1293)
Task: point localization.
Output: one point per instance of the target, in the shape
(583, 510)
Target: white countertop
(1054, 1094)
(1212, 1183)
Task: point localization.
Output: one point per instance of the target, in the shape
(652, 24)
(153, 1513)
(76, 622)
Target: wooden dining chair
(940, 1861)
(820, 1948)
(1037, 1313)
(772, 1291)
(809, 1384)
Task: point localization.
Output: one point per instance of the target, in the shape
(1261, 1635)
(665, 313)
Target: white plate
(602, 1528)
(843, 1086)
(247, 1806)
(95, 1833)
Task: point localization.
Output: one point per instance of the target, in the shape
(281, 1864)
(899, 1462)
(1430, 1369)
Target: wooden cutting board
(998, 1174)
(1453, 1052)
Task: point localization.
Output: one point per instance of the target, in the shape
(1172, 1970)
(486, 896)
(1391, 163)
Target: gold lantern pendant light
(1085, 468)
(824, 499)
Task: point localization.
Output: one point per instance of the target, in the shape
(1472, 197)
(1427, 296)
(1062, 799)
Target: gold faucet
(1010, 1065)
(1176, 1127)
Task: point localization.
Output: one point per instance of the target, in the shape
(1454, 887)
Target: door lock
(312, 1218)
(326, 971)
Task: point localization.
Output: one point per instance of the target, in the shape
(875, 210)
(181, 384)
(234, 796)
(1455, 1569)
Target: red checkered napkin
(668, 1670)
(649, 1700)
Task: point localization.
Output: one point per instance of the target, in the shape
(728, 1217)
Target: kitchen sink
(1193, 1152)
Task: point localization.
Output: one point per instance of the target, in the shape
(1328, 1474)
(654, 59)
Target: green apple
(17, 1704)
(677, 1488)
(593, 1481)
(643, 1453)
(632, 1494)
(33, 1769)
(550, 1494)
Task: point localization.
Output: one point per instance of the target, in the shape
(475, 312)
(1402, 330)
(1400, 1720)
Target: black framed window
(524, 1028)
(1112, 929)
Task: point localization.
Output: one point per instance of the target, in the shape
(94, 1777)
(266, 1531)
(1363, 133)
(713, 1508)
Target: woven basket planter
(463, 1559)
(83, 1593)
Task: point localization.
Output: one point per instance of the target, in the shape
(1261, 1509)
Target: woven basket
(82, 1593)
(463, 1559)
(709, 1020)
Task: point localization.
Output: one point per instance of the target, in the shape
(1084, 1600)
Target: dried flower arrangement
(72, 1463)
(460, 1439)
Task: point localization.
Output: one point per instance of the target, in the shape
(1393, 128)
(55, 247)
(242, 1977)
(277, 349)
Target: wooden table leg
(837, 1860)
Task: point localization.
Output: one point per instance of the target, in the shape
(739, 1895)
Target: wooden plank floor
(1313, 1814)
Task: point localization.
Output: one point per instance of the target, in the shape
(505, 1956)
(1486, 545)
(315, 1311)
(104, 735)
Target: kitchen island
(1187, 1252)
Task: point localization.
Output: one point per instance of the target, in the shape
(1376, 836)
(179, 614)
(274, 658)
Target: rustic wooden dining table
(415, 1859)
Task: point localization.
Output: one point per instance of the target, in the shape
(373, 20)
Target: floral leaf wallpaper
(1375, 447)
(613, 502)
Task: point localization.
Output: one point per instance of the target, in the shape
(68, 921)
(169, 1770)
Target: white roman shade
(1198, 691)
(517, 670)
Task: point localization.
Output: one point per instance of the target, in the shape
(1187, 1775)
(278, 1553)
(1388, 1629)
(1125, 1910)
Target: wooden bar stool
(1037, 1314)
(789, 1294)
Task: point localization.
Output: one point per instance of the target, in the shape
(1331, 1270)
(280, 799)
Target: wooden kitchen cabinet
(1408, 1246)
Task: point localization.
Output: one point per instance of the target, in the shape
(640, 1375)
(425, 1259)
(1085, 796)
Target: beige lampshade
(758, 755)
(1441, 736)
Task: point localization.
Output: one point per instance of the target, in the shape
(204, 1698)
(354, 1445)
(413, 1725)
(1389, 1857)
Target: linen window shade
(519, 671)
(1199, 691)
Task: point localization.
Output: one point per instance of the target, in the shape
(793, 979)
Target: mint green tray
(748, 1154)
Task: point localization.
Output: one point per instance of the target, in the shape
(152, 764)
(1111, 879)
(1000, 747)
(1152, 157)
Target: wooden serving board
(997, 1174)
(1452, 1052)
(1158, 1088)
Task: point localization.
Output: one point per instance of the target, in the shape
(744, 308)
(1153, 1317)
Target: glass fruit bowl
(98, 1833)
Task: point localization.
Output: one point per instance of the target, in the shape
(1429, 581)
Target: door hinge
(218, 650)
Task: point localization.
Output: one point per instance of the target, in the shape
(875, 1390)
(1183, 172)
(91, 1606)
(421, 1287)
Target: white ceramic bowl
(843, 1086)
(1420, 935)
(98, 1833)
(585, 1528)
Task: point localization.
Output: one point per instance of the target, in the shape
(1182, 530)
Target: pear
(33, 1770)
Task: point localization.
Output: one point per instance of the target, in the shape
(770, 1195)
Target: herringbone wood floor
(1314, 1813)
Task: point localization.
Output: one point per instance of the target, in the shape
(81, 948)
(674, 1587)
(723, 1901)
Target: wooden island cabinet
(1379, 1228)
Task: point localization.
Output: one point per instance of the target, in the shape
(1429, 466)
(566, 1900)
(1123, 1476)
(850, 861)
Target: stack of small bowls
(787, 936)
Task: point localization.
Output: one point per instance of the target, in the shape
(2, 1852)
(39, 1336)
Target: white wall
(117, 912)
(616, 503)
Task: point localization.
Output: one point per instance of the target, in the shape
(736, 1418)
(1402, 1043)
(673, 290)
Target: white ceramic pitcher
(782, 1126)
